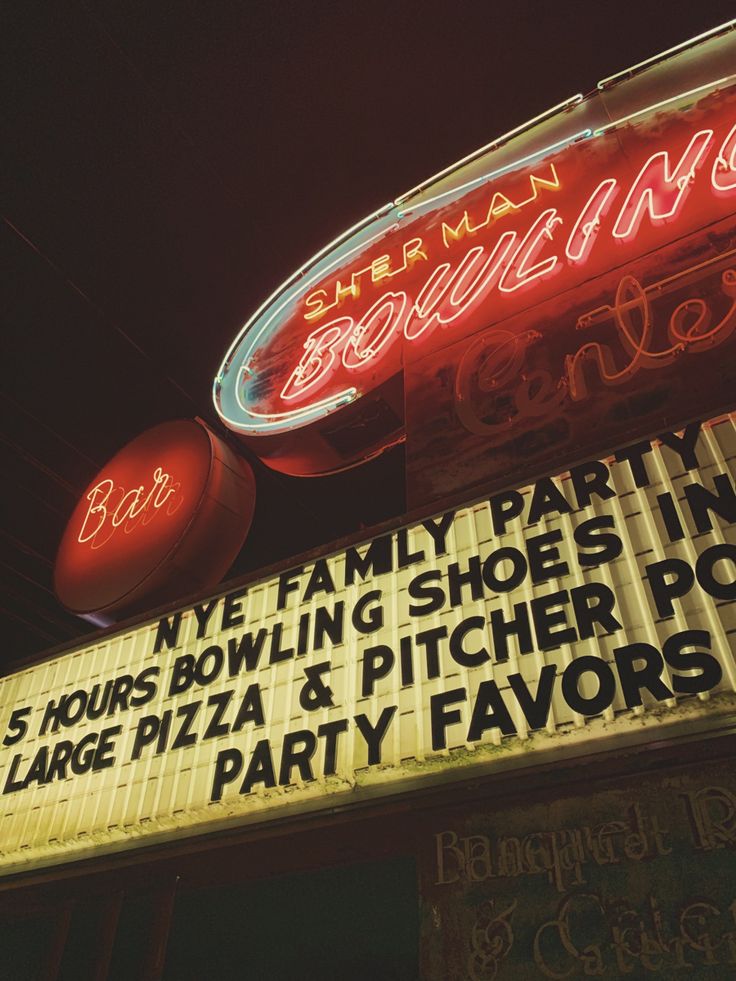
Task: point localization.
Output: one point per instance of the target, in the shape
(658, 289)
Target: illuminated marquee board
(164, 518)
(523, 280)
(575, 613)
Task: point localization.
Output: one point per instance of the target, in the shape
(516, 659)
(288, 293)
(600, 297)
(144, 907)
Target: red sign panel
(315, 378)
(165, 517)
(631, 355)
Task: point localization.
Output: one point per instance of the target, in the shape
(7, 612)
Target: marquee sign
(562, 617)
(482, 264)
(165, 517)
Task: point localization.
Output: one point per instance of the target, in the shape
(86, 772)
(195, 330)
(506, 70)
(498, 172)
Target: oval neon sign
(166, 516)
(314, 377)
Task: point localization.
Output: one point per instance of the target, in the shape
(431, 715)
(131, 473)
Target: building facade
(493, 738)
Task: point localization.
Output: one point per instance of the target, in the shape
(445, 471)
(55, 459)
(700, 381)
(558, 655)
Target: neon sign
(492, 362)
(444, 262)
(126, 508)
(166, 516)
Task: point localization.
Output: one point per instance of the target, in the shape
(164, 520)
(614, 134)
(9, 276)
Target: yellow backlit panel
(412, 644)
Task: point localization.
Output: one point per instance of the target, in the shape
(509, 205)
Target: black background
(169, 163)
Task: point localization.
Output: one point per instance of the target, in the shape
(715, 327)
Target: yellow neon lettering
(496, 210)
(412, 249)
(552, 183)
(349, 289)
(380, 268)
(315, 299)
(462, 228)
(500, 205)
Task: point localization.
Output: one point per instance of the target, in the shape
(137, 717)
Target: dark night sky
(171, 163)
